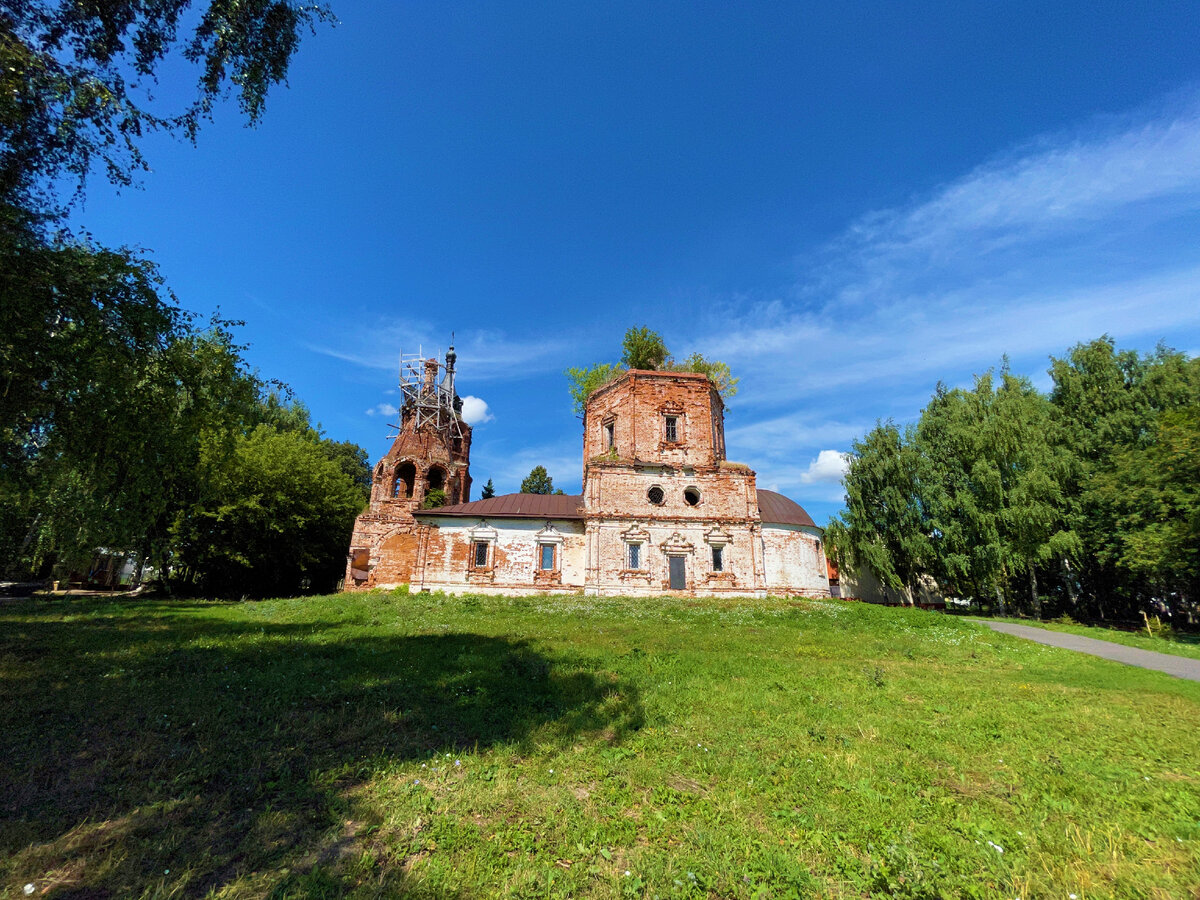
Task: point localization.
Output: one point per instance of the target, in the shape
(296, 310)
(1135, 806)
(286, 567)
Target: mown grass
(385, 744)
(1181, 645)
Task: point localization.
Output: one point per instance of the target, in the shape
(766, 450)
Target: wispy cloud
(509, 467)
(486, 355)
(383, 409)
(1026, 255)
(1061, 240)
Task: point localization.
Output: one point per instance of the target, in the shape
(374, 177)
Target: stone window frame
(662, 495)
(641, 538)
(634, 560)
(667, 412)
(718, 541)
(549, 536)
(485, 534)
(608, 433)
(691, 488)
(445, 479)
(409, 490)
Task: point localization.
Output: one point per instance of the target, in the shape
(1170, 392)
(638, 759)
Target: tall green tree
(883, 526)
(1107, 410)
(99, 391)
(489, 491)
(274, 518)
(1155, 498)
(538, 481)
(991, 489)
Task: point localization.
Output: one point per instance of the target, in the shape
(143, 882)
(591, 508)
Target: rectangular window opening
(610, 436)
(635, 556)
(481, 554)
(672, 429)
(718, 559)
(546, 557)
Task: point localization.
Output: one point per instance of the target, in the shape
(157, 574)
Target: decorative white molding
(717, 537)
(677, 545)
(483, 532)
(549, 535)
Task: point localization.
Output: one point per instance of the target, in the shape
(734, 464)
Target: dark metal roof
(515, 506)
(777, 509)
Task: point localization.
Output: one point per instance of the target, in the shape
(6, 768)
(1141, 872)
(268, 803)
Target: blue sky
(845, 203)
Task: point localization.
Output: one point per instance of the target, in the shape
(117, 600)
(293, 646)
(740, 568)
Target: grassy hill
(377, 744)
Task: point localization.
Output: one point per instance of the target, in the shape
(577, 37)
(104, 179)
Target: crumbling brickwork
(512, 559)
(662, 511)
(431, 452)
(659, 495)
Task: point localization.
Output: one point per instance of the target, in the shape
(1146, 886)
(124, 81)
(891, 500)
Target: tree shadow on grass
(179, 756)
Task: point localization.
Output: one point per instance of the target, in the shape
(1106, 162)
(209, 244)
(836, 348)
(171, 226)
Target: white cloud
(383, 409)
(1147, 164)
(1062, 241)
(828, 468)
(1055, 243)
(475, 411)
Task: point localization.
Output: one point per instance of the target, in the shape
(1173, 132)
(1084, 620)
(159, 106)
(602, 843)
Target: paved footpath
(1179, 666)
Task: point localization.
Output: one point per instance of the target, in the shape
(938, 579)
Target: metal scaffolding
(427, 393)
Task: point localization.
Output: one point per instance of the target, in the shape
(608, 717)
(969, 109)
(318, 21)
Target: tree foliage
(149, 455)
(583, 382)
(76, 79)
(538, 481)
(489, 491)
(642, 348)
(274, 518)
(1085, 497)
(121, 423)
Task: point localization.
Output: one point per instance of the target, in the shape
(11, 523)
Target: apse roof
(777, 509)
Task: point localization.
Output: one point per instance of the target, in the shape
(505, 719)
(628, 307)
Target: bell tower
(428, 465)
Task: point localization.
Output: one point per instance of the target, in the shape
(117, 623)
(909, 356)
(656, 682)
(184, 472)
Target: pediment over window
(717, 536)
(635, 534)
(549, 535)
(483, 531)
(677, 544)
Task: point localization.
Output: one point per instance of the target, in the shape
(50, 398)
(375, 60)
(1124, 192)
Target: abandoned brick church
(662, 510)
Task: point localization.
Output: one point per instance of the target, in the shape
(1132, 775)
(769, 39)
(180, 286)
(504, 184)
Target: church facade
(662, 510)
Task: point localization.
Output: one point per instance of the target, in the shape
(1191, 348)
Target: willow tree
(884, 526)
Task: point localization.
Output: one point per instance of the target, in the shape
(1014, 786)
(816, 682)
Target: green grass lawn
(373, 745)
(1183, 645)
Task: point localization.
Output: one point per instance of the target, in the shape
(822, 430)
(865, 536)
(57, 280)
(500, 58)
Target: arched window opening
(406, 478)
(436, 479)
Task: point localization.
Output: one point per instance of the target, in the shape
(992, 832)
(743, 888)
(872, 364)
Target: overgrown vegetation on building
(642, 348)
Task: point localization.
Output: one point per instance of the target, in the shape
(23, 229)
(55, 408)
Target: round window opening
(691, 496)
(655, 495)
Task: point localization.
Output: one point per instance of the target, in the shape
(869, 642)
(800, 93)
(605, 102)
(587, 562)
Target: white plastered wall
(794, 560)
(512, 556)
